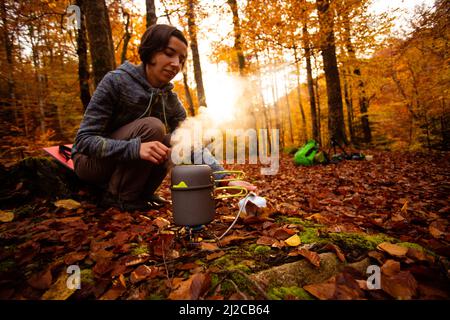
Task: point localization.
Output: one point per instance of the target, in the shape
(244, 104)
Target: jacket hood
(138, 73)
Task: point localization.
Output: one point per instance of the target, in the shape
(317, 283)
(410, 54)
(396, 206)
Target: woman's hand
(154, 151)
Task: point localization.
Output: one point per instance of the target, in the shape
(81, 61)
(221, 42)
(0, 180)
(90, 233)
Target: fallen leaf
(143, 272)
(115, 292)
(192, 288)
(266, 241)
(322, 291)
(68, 204)
(401, 286)
(41, 280)
(59, 290)
(208, 246)
(419, 255)
(390, 267)
(435, 232)
(215, 255)
(311, 256)
(161, 223)
(393, 249)
(73, 257)
(187, 266)
(337, 250)
(6, 216)
(293, 241)
(283, 233)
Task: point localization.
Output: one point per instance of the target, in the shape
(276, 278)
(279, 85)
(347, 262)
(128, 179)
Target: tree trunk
(237, 36)
(316, 84)
(336, 126)
(349, 104)
(192, 29)
(151, 18)
(126, 38)
(300, 105)
(288, 107)
(362, 96)
(188, 93)
(100, 39)
(83, 67)
(8, 44)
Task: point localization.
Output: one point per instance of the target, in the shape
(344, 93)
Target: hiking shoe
(110, 200)
(158, 200)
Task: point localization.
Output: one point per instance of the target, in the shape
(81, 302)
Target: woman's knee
(152, 129)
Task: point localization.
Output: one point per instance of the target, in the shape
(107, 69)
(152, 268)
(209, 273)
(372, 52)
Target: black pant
(128, 180)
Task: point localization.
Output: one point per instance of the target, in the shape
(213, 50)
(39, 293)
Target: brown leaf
(192, 288)
(283, 233)
(187, 266)
(322, 291)
(400, 286)
(208, 246)
(232, 238)
(115, 292)
(311, 256)
(215, 255)
(337, 250)
(101, 254)
(41, 280)
(143, 272)
(393, 249)
(134, 260)
(419, 255)
(266, 241)
(59, 290)
(73, 257)
(390, 268)
(102, 266)
(435, 232)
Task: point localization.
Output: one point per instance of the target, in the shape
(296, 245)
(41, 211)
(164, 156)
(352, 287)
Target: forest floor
(321, 230)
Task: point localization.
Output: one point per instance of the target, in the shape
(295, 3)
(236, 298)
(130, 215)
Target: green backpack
(305, 155)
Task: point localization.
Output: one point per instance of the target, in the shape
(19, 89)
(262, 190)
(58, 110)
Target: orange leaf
(393, 249)
(192, 288)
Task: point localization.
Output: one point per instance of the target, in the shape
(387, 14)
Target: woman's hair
(155, 39)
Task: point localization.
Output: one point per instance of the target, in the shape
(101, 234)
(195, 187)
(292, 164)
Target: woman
(122, 142)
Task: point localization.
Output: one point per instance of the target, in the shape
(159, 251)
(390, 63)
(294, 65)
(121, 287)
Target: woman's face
(165, 65)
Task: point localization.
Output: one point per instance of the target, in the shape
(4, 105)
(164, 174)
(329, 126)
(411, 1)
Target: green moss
(262, 250)
(223, 261)
(304, 223)
(240, 266)
(282, 293)
(140, 249)
(87, 277)
(310, 235)
(214, 280)
(411, 245)
(154, 296)
(359, 240)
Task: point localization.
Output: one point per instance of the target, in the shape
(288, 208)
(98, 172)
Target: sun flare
(222, 94)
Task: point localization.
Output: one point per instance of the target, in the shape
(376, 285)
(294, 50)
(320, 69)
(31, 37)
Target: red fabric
(54, 152)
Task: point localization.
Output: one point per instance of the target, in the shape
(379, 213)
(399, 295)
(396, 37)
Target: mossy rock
(359, 240)
(282, 293)
(262, 250)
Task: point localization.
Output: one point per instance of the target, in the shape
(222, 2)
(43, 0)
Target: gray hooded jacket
(122, 96)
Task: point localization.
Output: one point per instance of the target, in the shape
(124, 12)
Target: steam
(226, 127)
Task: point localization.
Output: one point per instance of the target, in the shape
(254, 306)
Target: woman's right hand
(154, 151)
